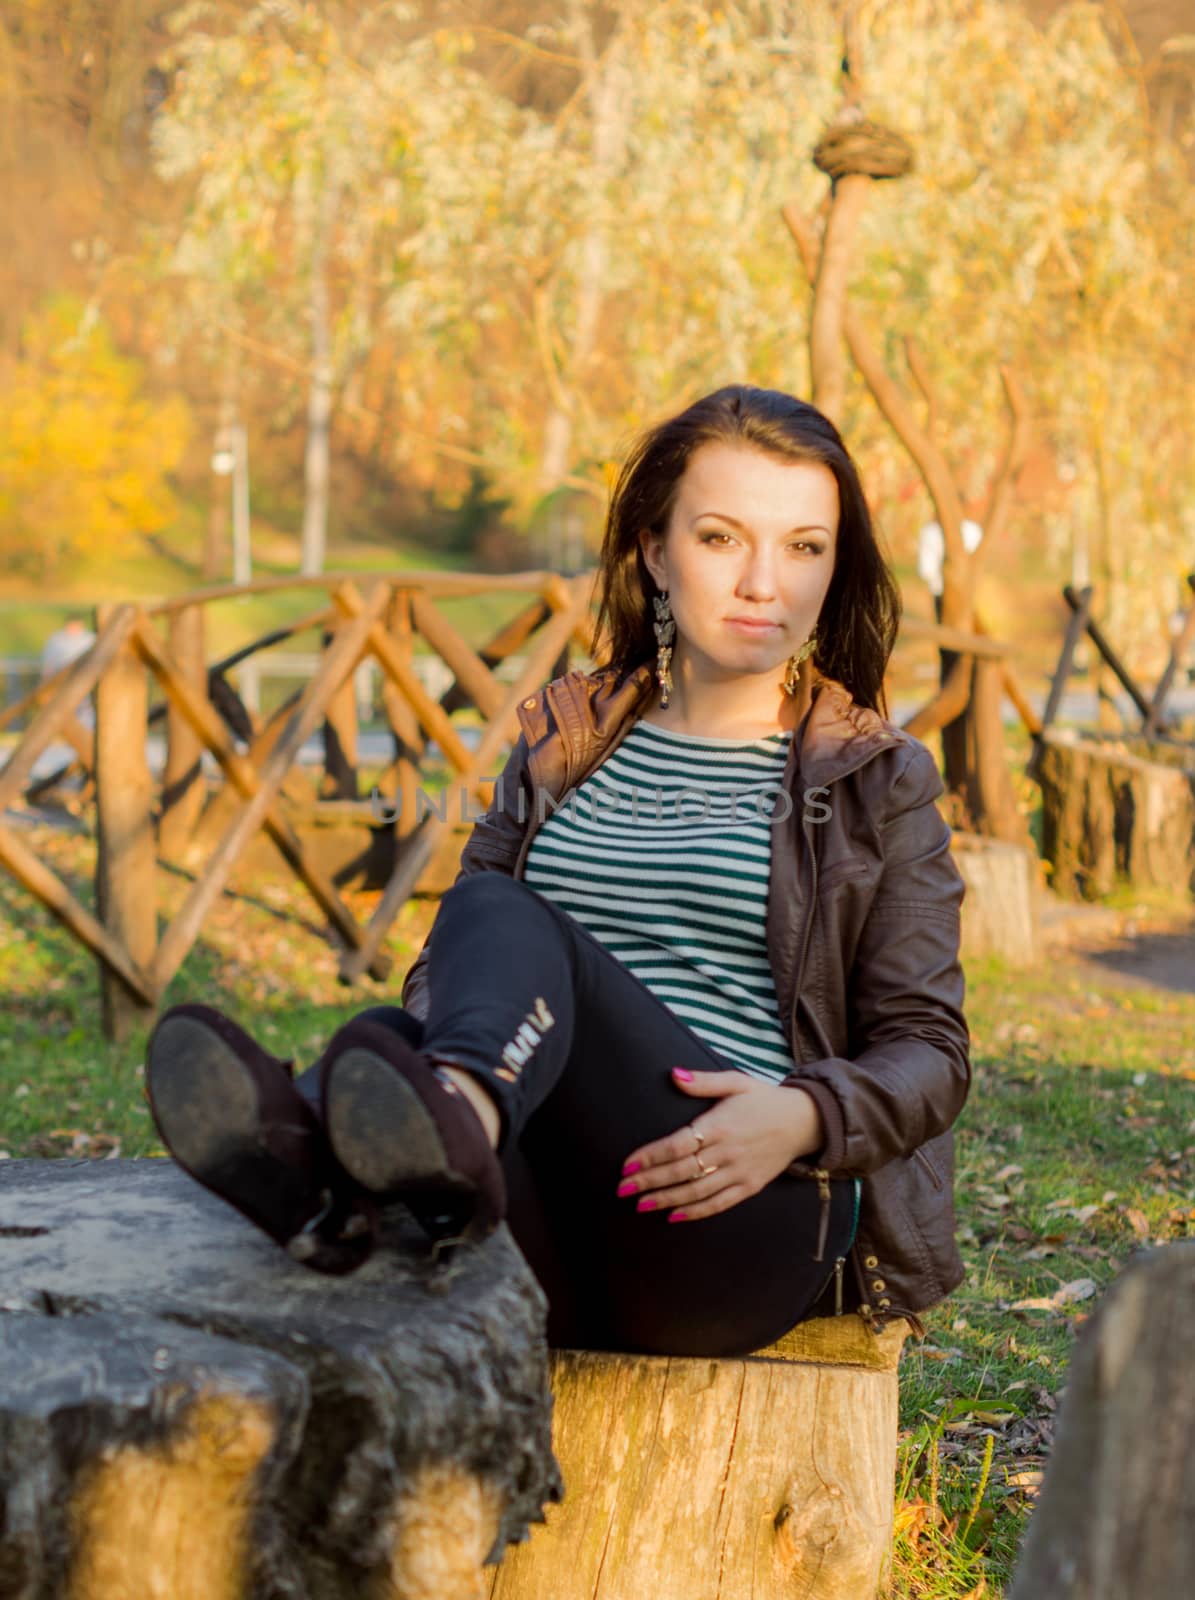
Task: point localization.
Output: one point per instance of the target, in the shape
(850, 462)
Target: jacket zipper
(823, 1220)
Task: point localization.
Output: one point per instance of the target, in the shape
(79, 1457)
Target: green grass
(1076, 1147)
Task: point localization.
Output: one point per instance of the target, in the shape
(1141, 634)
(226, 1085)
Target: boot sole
(380, 1131)
(206, 1108)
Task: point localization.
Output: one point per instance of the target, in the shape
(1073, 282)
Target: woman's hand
(751, 1135)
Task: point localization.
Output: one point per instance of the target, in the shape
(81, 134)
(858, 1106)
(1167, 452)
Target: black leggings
(576, 1094)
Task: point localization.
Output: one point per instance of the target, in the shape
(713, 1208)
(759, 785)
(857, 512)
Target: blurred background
(287, 287)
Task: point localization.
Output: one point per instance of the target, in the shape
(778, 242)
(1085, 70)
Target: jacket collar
(835, 736)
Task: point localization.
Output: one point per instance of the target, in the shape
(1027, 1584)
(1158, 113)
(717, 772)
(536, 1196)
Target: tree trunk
(187, 1412)
(607, 85)
(317, 458)
(1116, 1515)
(827, 353)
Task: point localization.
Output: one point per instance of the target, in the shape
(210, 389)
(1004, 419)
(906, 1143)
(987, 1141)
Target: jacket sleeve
(492, 846)
(909, 1069)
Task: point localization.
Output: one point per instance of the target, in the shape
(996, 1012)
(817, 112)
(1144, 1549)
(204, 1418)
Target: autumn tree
(289, 127)
(86, 453)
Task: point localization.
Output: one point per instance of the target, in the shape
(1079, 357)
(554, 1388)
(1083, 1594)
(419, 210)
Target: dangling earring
(792, 672)
(665, 630)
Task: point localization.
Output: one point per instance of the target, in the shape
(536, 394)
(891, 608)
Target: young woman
(691, 1017)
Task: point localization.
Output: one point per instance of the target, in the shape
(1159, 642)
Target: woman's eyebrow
(805, 527)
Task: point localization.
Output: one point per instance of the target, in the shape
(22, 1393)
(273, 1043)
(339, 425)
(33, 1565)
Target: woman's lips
(752, 627)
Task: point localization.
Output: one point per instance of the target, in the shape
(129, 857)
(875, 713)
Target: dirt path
(1127, 950)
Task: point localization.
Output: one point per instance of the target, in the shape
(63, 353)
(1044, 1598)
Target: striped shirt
(675, 884)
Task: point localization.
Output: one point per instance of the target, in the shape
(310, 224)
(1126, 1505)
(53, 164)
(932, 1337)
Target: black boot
(402, 1129)
(230, 1115)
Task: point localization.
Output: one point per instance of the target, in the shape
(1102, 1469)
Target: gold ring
(697, 1134)
(705, 1171)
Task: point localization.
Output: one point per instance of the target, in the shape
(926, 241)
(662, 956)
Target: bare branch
(921, 377)
(999, 507)
(932, 464)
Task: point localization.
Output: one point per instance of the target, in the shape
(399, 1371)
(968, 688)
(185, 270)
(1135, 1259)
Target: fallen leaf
(1077, 1289)
(1029, 1479)
(1138, 1221)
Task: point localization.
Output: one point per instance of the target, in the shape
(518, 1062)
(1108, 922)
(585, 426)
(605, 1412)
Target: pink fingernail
(684, 1074)
(627, 1188)
(679, 1216)
(631, 1166)
(646, 1205)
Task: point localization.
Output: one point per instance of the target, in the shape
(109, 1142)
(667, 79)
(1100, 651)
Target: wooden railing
(201, 713)
(376, 619)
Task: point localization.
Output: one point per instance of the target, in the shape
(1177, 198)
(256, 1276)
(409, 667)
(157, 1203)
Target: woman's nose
(758, 578)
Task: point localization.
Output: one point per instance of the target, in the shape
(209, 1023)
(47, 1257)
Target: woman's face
(751, 538)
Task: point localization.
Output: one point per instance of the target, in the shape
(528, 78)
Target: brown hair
(857, 626)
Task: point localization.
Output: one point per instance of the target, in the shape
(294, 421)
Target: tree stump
(770, 1476)
(1116, 811)
(1116, 1515)
(186, 1413)
(999, 915)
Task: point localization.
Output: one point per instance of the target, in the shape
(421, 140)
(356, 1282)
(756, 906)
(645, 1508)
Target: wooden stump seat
(186, 1414)
(999, 915)
(1116, 811)
(768, 1477)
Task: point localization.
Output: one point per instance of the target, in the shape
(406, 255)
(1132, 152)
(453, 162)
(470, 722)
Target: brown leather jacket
(862, 935)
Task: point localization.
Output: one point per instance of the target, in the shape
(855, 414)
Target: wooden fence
(375, 619)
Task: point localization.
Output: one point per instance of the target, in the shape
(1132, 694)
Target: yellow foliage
(84, 455)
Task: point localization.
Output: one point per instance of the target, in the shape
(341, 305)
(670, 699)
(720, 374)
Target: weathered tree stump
(1116, 811)
(185, 1413)
(770, 1476)
(999, 915)
(1116, 1515)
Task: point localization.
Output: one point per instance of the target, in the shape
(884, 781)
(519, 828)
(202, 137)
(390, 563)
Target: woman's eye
(797, 544)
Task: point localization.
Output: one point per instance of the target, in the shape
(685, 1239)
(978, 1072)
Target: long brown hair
(856, 629)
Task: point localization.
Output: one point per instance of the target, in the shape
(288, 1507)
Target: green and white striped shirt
(674, 883)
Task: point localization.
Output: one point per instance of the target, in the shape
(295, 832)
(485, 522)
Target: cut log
(1116, 812)
(999, 915)
(769, 1476)
(1116, 1514)
(187, 1413)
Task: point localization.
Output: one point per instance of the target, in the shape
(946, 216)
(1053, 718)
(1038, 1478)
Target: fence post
(341, 749)
(183, 785)
(400, 784)
(125, 869)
